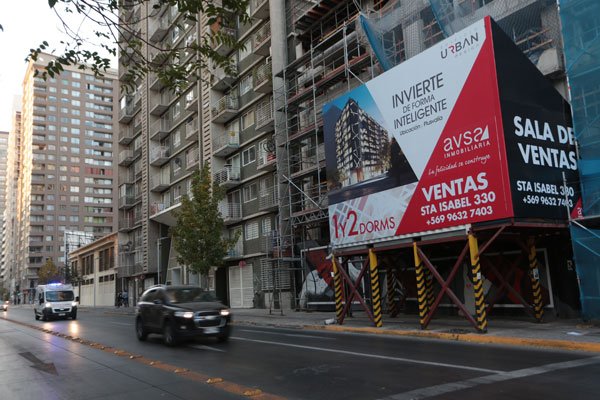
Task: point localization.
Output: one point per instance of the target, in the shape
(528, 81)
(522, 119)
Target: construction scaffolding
(329, 61)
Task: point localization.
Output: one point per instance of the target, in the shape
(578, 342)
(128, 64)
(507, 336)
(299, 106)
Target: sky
(26, 23)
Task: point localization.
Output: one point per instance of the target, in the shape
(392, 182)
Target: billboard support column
(421, 289)
(534, 275)
(481, 314)
(391, 279)
(337, 283)
(375, 289)
(429, 288)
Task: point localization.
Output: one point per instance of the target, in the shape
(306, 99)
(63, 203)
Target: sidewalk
(567, 334)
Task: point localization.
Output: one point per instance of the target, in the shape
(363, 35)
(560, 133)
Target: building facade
(96, 266)
(261, 132)
(12, 196)
(65, 174)
(3, 214)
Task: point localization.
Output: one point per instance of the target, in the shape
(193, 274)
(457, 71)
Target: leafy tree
(48, 272)
(197, 236)
(116, 31)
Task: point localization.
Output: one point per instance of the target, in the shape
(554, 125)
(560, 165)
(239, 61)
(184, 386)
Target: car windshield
(60, 295)
(188, 295)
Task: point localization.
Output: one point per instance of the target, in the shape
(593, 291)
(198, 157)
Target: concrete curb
(471, 338)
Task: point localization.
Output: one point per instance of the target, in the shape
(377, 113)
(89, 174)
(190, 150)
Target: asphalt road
(270, 363)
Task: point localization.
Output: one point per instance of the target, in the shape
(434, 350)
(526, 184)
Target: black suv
(181, 312)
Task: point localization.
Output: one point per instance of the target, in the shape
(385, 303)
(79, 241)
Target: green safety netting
(586, 247)
(581, 37)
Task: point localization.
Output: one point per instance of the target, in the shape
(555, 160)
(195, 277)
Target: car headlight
(74, 304)
(184, 314)
(48, 305)
(225, 312)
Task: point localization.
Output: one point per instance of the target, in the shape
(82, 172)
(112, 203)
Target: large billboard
(468, 131)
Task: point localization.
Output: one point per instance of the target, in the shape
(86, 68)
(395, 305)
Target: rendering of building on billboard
(468, 131)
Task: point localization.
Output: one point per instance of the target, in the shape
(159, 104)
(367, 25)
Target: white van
(55, 300)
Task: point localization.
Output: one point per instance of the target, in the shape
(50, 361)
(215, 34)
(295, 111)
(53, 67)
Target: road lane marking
(205, 347)
(286, 334)
(353, 353)
(219, 383)
(120, 323)
(450, 387)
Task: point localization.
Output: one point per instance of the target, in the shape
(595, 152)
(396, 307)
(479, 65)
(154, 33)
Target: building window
(245, 84)
(247, 120)
(248, 156)
(251, 230)
(250, 192)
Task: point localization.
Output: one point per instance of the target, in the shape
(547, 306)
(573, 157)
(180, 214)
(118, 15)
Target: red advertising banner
(422, 148)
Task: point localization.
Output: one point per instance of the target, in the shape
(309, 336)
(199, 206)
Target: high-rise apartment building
(3, 173)
(12, 196)
(262, 133)
(66, 173)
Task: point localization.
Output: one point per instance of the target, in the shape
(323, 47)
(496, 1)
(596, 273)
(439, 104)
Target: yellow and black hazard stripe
(375, 289)
(421, 287)
(481, 315)
(392, 306)
(337, 283)
(536, 287)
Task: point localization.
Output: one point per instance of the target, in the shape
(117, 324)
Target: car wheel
(140, 332)
(169, 334)
(44, 318)
(37, 317)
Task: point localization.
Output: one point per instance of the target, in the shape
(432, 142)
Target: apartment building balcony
(126, 157)
(137, 170)
(262, 40)
(225, 109)
(191, 100)
(227, 177)
(160, 104)
(39, 82)
(159, 182)
(156, 83)
(222, 46)
(128, 176)
(162, 212)
(160, 129)
(236, 251)
(191, 130)
(126, 135)
(158, 57)
(126, 113)
(307, 160)
(126, 201)
(226, 143)
(126, 224)
(263, 78)
(264, 116)
(137, 151)
(268, 199)
(230, 212)
(259, 9)
(158, 28)
(158, 207)
(159, 155)
(310, 199)
(221, 81)
(192, 159)
(266, 159)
